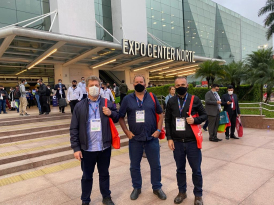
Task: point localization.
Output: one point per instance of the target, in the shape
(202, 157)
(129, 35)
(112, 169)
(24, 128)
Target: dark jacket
(57, 93)
(11, 95)
(172, 112)
(226, 97)
(4, 93)
(42, 90)
(123, 88)
(79, 120)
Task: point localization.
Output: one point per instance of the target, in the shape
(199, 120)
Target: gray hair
(181, 77)
(92, 78)
(136, 76)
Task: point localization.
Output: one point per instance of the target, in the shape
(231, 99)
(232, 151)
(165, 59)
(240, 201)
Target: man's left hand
(156, 134)
(106, 111)
(239, 115)
(190, 120)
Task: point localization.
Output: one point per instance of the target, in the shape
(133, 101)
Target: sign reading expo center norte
(156, 51)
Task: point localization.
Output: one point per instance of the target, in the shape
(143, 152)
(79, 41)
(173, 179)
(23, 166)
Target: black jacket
(42, 90)
(226, 97)
(79, 120)
(4, 93)
(57, 93)
(172, 112)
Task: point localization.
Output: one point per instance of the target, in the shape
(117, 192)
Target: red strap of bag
(114, 133)
(163, 133)
(197, 129)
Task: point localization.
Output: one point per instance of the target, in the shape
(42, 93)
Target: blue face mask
(38, 83)
(83, 81)
(26, 83)
(60, 83)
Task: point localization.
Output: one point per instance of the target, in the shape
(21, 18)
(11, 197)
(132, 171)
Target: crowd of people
(20, 98)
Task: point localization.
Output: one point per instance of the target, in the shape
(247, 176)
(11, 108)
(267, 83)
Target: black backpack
(17, 94)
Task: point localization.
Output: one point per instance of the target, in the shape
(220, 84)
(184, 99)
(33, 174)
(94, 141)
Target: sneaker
(26, 114)
(107, 201)
(46, 113)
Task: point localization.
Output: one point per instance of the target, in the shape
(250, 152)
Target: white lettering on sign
(156, 51)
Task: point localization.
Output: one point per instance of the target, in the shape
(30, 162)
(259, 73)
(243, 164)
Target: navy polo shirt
(142, 131)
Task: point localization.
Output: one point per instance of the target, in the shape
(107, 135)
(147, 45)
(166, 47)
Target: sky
(246, 8)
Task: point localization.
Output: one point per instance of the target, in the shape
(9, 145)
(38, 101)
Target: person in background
(82, 86)
(123, 91)
(60, 93)
(11, 98)
(43, 97)
(90, 137)
(48, 94)
(231, 106)
(7, 100)
(17, 95)
(23, 98)
(74, 95)
(108, 85)
(143, 133)
(205, 126)
(3, 96)
(213, 109)
(182, 141)
(37, 98)
(106, 93)
(116, 90)
(28, 98)
(171, 90)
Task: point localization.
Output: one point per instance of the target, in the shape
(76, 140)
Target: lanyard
(182, 107)
(137, 99)
(94, 111)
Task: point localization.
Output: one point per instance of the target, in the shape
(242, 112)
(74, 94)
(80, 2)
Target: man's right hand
(219, 102)
(129, 134)
(229, 103)
(58, 88)
(78, 155)
(171, 145)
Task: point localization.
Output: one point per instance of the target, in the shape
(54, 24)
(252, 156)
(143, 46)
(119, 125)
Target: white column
(74, 17)
(129, 19)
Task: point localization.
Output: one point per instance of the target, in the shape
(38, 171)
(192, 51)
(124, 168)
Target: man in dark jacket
(60, 93)
(182, 141)
(123, 91)
(3, 96)
(231, 105)
(42, 97)
(90, 138)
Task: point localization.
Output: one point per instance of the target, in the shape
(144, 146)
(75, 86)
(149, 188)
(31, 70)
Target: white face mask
(230, 92)
(93, 91)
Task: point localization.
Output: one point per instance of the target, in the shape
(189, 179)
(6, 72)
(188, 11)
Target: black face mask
(139, 88)
(181, 90)
(74, 86)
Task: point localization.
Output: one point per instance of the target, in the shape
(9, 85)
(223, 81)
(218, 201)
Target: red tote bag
(197, 129)
(239, 127)
(163, 133)
(114, 133)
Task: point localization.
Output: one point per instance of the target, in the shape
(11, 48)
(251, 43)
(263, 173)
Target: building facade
(207, 28)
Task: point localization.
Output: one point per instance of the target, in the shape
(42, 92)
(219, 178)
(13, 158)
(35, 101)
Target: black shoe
(5, 113)
(85, 203)
(198, 200)
(135, 194)
(234, 137)
(63, 112)
(26, 114)
(180, 198)
(219, 139)
(41, 113)
(213, 140)
(227, 137)
(160, 194)
(107, 201)
(46, 113)
(205, 129)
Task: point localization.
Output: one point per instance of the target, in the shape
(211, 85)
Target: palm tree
(256, 61)
(208, 70)
(269, 20)
(234, 73)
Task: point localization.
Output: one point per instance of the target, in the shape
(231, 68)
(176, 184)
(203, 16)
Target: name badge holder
(140, 116)
(95, 125)
(180, 124)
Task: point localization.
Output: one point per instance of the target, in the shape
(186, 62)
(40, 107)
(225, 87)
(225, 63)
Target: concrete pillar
(129, 19)
(75, 18)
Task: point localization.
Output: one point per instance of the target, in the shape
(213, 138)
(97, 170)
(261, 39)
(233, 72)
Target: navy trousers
(89, 160)
(190, 151)
(152, 150)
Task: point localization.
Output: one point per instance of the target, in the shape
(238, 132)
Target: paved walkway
(234, 171)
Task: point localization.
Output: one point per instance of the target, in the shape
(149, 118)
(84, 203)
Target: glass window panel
(7, 16)
(8, 4)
